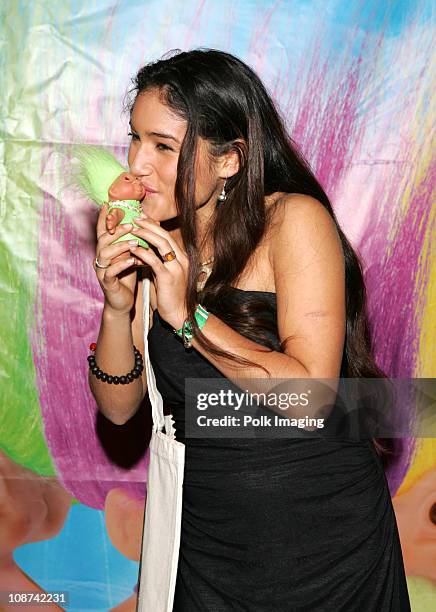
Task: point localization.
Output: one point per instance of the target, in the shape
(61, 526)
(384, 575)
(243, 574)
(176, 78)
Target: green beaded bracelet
(185, 332)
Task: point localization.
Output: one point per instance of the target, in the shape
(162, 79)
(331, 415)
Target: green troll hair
(97, 171)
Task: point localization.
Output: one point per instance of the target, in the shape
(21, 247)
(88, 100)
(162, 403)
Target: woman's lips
(148, 190)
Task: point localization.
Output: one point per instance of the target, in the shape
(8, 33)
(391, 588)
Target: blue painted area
(82, 561)
(288, 30)
(391, 16)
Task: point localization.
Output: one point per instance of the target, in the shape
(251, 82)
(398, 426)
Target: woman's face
(157, 136)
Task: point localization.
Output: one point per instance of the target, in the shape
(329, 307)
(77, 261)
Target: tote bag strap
(153, 393)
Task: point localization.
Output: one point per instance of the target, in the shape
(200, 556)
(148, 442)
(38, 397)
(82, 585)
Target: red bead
(92, 346)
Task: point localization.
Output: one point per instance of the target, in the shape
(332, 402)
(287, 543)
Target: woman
(238, 224)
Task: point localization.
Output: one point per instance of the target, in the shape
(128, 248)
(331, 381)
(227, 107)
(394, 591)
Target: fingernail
(134, 242)
(127, 226)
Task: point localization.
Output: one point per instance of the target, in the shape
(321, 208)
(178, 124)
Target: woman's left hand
(171, 277)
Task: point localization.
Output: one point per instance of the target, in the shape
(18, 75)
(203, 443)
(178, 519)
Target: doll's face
(126, 187)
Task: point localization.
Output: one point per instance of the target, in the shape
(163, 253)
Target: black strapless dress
(278, 525)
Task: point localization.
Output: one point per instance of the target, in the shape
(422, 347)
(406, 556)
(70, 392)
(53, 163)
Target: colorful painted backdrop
(354, 84)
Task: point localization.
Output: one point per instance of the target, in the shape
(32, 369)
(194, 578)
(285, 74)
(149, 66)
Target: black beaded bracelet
(116, 380)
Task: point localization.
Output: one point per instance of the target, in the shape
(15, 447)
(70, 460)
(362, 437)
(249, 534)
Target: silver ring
(98, 264)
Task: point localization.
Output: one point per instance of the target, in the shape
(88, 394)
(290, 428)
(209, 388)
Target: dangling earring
(222, 196)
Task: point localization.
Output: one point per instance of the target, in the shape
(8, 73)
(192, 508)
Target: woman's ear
(232, 161)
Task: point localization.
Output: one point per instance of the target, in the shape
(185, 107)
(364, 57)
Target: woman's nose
(140, 165)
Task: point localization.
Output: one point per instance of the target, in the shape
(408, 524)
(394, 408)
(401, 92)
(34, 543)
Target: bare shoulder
(298, 220)
(292, 207)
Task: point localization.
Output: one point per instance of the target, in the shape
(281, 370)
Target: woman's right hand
(118, 280)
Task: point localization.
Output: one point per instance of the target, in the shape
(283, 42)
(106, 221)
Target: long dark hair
(225, 102)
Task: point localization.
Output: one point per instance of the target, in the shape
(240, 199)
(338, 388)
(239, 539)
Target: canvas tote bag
(163, 506)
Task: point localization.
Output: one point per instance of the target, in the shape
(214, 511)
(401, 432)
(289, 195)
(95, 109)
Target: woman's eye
(133, 136)
(163, 147)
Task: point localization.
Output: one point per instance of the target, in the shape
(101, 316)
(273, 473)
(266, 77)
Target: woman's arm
(307, 258)
(122, 324)
(114, 355)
